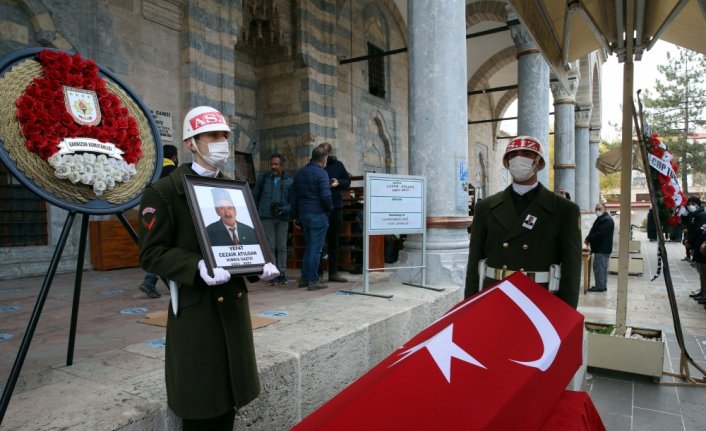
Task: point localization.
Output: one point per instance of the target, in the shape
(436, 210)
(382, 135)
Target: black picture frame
(219, 250)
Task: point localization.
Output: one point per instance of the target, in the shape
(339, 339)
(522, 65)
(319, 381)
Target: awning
(610, 162)
(566, 30)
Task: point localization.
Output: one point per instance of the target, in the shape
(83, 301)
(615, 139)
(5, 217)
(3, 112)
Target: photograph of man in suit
(227, 230)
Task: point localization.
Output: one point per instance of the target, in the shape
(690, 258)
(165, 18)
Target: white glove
(220, 275)
(269, 271)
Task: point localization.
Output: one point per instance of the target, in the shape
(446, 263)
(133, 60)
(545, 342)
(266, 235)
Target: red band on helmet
(206, 118)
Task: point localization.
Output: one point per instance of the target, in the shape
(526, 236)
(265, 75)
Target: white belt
(500, 274)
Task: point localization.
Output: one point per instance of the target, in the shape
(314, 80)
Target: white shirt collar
(521, 189)
(200, 170)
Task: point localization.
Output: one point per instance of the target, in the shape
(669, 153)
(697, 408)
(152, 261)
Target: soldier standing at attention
(526, 228)
(210, 367)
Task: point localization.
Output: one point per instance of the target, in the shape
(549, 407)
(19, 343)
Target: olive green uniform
(498, 235)
(210, 357)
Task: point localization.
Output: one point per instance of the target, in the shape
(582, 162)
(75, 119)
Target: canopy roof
(566, 30)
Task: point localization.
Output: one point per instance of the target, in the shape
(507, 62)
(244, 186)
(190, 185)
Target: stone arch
(596, 113)
(378, 147)
(485, 11)
(46, 33)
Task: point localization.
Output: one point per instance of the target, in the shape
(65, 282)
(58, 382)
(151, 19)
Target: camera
(276, 209)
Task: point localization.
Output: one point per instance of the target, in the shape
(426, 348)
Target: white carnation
(89, 158)
(62, 172)
(78, 158)
(131, 169)
(86, 178)
(99, 187)
(67, 160)
(74, 177)
(110, 183)
(101, 158)
(54, 160)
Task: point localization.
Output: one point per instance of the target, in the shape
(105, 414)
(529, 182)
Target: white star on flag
(442, 348)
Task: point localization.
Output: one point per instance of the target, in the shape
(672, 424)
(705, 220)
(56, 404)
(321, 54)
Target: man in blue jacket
(339, 179)
(271, 197)
(311, 205)
(600, 238)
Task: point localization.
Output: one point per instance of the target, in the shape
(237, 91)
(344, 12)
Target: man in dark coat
(339, 179)
(695, 237)
(526, 228)
(228, 230)
(600, 239)
(210, 366)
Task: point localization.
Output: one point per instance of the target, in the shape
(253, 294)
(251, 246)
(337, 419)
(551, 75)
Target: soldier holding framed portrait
(210, 358)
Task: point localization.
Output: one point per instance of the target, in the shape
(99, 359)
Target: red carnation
(658, 152)
(674, 220)
(668, 190)
(669, 202)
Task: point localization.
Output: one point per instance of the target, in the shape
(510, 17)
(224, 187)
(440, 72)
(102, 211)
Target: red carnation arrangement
(670, 198)
(68, 103)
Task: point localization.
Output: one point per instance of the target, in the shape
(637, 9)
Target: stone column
(438, 137)
(532, 93)
(594, 141)
(583, 160)
(564, 149)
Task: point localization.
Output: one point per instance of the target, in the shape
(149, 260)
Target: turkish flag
(499, 360)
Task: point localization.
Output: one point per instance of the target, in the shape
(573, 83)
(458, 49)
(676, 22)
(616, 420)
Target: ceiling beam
(671, 17)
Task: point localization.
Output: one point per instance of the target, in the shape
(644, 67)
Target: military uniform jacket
(210, 357)
(498, 235)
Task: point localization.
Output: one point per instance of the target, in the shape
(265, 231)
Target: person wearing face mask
(526, 228)
(695, 226)
(210, 367)
(600, 239)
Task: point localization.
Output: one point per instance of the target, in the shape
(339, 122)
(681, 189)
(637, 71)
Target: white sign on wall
(395, 204)
(164, 124)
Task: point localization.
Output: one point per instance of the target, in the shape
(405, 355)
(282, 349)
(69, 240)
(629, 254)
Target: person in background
(271, 197)
(339, 179)
(600, 239)
(210, 367)
(526, 228)
(311, 205)
(169, 163)
(696, 224)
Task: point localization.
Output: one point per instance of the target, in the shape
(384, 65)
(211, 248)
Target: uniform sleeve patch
(149, 216)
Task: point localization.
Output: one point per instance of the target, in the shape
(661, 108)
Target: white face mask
(521, 168)
(217, 153)
(599, 213)
(691, 208)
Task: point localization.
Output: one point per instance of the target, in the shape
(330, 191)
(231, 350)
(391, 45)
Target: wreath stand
(642, 131)
(42, 182)
(44, 292)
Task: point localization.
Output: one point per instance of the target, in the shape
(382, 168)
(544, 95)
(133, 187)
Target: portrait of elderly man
(228, 230)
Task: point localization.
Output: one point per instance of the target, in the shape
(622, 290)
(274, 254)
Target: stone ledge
(304, 359)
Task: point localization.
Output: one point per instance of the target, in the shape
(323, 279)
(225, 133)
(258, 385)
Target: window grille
(23, 215)
(376, 72)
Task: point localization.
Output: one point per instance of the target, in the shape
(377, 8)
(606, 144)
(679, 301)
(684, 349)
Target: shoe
(150, 290)
(686, 259)
(595, 289)
(335, 277)
(273, 282)
(282, 280)
(695, 293)
(702, 301)
(301, 283)
(316, 285)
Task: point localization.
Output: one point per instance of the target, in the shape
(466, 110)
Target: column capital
(583, 116)
(523, 40)
(594, 136)
(561, 94)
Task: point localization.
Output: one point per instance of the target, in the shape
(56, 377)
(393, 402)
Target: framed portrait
(227, 224)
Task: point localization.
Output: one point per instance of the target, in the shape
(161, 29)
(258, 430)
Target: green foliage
(677, 109)
(609, 182)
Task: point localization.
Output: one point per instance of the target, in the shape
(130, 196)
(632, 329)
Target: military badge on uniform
(149, 216)
(529, 222)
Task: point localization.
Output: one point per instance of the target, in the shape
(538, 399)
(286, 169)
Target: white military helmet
(203, 119)
(524, 143)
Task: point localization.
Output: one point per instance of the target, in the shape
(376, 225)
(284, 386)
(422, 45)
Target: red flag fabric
(499, 360)
(574, 412)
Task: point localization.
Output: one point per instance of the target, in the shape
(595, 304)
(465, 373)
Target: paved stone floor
(637, 403)
(111, 305)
